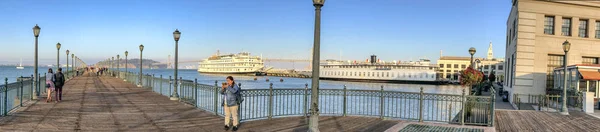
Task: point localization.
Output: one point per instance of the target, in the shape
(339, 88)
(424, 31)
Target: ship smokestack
(373, 59)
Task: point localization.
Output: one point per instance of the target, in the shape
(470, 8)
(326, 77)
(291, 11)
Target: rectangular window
(448, 66)
(441, 65)
(500, 67)
(598, 29)
(463, 66)
(486, 67)
(583, 30)
(455, 65)
(448, 71)
(566, 27)
(493, 67)
(549, 25)
(589, 60)
(554, 61)
(514, 28)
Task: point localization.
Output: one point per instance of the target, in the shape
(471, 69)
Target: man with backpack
(59, 82)
(231, 102)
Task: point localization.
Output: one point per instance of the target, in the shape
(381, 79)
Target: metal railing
(14, 95)
(272, 103)
(550, 103)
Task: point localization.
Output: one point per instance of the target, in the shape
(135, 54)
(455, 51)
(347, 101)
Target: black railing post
(305, 99)
(30, 90)
(216, 97)
(420, 104)
(21, 94)
(171, 84)
(240, 105)
(345, 101)
(491, 115)
(462, 113)
(161, 81)
(381, 103)
(5, 96)
(153, 85)
(270, 100)
(196, 92)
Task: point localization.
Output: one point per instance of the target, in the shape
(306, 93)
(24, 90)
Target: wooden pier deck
(536, 121)
(93, 103)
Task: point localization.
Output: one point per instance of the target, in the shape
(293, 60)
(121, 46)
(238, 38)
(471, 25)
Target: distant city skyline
(392, 30)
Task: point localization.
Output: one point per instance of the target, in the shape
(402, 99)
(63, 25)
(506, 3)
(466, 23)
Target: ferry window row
(227, 65)
(385, 67)
(378, 74)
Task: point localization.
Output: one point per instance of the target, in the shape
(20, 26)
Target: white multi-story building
(535, 32)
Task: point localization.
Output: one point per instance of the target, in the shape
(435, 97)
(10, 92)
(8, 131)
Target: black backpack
(238, 95)
(58, 79)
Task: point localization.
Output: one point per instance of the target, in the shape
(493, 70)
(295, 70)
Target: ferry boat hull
(383, 81)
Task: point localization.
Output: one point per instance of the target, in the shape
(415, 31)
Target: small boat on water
(21, 65)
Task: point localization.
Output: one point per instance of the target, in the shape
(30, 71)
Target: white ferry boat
(241, 63)
(374, 71)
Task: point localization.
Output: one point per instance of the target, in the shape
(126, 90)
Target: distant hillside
(135, 63)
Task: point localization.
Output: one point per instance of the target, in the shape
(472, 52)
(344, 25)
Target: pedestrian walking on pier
(59, 82)
(230, 104)
(49, 84)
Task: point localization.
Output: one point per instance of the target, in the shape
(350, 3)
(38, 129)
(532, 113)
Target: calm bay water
(248, 82)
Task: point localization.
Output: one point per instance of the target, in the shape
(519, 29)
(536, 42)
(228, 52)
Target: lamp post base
(564, 113)
(174, 98)
(139, 86)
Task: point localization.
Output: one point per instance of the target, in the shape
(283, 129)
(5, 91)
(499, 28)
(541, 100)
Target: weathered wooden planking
(525, 120)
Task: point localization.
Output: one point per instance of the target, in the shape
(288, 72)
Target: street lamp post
(36, 34)
(141, 67)
(126, 53)
(67, 70)
(112, 62)
(566, 46)
(313, 122)
(57, 56)
(72, 64)
(118, 66)
(472, 52)
(176, 36)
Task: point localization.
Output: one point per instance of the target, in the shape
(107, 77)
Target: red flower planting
(470, 76)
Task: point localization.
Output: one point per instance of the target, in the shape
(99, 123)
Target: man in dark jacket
(59, 81)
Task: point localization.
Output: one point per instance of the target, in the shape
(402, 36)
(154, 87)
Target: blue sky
(392, 29)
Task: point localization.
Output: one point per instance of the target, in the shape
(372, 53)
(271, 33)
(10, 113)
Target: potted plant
(470, 77)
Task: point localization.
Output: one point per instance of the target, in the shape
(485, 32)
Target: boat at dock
(20, 65)
(241, 63)
(420, 72)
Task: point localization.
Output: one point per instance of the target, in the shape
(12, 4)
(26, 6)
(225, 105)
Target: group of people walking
(54, 82)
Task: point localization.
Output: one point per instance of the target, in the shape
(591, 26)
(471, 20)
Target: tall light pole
(118, 66)
(72, 64)
(472, 52)
(126, 53)
(112, 62)
(141, 67)
(566, 46)
(313, 122)
(176, 36)
(57, 56)
(67, 70)
(36, 34)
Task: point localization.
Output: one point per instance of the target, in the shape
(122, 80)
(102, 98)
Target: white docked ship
(241, 63)
(21, 65)
(374, 71)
